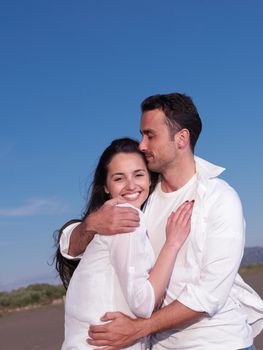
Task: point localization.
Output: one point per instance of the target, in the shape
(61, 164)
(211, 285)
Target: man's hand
(122, 331)
(111, 219)
(107, 220)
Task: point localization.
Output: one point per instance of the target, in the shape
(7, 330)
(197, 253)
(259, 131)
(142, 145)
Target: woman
(118, 272)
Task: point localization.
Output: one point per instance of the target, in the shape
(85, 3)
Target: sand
(255, 280)
(42, 328)
(37, 329)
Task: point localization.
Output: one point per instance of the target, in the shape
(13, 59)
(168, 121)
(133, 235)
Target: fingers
(179, 224)
(128, 214)
(97, 337)
(186, 214)
(97, 329)
(97, 342)
(109, 316)
(180, 210)
(122, 213)
(115, 201)
(111, 219)
(100, 335)
(183, 213)
(116, 334)
(125, 220)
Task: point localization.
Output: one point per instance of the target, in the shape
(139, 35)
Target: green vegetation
(40, 294)
(34, 294)
(250, 268)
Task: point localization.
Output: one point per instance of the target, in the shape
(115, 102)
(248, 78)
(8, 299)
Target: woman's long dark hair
(97, 197)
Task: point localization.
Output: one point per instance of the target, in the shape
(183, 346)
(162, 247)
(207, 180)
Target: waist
(207, 334)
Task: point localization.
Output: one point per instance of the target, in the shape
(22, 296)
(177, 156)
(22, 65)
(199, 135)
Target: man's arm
(79, 239)
(222, 253)
(123, 330)
(108, 220)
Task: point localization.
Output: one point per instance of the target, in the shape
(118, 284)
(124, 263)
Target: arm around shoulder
(65, 237)
(80, 237)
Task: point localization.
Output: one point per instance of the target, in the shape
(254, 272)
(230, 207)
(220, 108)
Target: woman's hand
(178, 225)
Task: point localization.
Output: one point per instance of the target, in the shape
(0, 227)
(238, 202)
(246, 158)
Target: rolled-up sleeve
(222, 254)
(132, 258)
(64, 242)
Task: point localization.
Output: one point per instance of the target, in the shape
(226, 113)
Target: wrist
(88, 226)
(143, 327)
(171, 245)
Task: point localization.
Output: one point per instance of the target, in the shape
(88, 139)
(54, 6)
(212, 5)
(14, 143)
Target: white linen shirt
(205, 275)
(112, 275)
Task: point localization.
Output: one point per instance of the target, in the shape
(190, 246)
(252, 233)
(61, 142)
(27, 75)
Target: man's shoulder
(209, 172)
(219, 184)
(219, 189)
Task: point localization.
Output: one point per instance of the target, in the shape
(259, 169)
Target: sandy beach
(36, 329)
(42, 328)
(255, 280)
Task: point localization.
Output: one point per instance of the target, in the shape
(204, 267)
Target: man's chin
(151, 166)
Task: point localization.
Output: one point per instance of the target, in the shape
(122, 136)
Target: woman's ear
(106, 190)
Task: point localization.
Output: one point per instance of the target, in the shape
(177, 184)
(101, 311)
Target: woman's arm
(132, 259)
(177, 230)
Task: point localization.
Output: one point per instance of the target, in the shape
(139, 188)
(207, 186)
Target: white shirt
(111, 276)
(205, 273)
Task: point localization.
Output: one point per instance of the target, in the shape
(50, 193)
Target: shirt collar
(206, 169)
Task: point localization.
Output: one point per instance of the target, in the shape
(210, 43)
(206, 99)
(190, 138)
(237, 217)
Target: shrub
(31, 295)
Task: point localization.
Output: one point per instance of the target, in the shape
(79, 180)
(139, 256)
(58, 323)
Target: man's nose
(142, 145)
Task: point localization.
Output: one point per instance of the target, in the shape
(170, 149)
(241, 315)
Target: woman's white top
(111, 276)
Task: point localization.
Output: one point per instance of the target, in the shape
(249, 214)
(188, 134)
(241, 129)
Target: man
(204, 307)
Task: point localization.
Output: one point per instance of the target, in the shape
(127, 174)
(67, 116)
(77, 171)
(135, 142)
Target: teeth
(132, 195)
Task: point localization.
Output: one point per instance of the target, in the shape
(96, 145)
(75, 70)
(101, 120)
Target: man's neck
(179, 174)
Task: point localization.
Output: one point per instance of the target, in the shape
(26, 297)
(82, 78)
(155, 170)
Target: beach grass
(30, 296)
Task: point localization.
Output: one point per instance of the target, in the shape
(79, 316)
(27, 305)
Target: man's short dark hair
(180, 113)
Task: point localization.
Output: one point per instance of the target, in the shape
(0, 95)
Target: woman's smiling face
(129, 178)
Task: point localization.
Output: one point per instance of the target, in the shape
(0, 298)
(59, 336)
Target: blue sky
(73, 74)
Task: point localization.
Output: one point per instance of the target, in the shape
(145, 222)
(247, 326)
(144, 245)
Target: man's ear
(182, 138)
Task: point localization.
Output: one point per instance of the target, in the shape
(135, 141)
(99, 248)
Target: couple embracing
(159, 246)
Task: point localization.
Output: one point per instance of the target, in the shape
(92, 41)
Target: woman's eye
(116, 179)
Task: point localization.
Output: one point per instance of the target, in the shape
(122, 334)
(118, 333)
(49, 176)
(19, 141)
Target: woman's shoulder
(130, 206)
(139, 230)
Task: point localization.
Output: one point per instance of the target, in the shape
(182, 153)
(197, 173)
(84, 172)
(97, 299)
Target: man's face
(157, 145)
